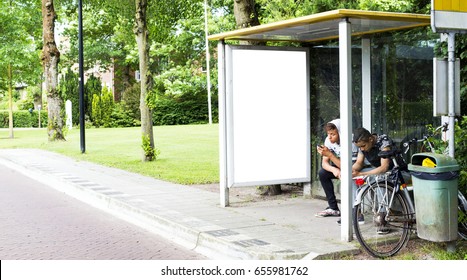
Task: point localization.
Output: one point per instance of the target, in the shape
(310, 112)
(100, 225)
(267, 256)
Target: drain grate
(222, 232)
(251, 242)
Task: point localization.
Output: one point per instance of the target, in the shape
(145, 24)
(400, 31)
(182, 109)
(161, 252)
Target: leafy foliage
(122, 117)
(179, 97)
(149, 152)
(23, 118)
(93, 86)
(20, 36)
(461, 151)
(177, 55)
(102, 108)
(33, 97)
(387, 5)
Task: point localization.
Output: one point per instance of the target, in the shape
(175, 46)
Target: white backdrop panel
(268, 113)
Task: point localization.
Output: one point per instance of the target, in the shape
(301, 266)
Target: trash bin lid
(433, 163)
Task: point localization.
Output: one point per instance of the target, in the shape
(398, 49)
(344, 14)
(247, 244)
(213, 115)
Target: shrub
(96, 111)
(461, 151)
(121, 117)
(93, 86)
(102, 108)
(179, 96)
(23, 118)
(150, 153)
(107, 104)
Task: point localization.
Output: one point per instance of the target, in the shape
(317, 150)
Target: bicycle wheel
(382, 231)
(462, 216)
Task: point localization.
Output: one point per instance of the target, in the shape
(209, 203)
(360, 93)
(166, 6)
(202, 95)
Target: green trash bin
(435, 183)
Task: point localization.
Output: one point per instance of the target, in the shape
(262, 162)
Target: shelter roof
(324, 26)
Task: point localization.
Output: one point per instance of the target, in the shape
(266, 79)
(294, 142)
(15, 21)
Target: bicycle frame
(395, 177)
(383, 213)
(402, 188)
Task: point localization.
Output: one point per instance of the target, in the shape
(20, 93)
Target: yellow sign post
(449, 16)
(450, 5)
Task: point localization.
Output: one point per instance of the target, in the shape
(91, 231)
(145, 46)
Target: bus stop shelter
(264, 97)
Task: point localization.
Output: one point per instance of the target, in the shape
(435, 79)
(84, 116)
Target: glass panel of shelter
(401, 87)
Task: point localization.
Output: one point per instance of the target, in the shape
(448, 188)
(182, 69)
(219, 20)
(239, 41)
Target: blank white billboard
(268, 118)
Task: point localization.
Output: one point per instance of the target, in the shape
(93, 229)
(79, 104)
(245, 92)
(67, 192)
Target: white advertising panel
(268, 119)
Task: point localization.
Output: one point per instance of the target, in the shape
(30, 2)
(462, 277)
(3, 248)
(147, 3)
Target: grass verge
(189, 153)
(417, 249)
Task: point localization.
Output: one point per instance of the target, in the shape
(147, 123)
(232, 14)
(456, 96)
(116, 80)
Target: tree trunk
(50, 59)
(122, 77)
(270, 190)
(142, 35)
(10, 102)
(245, 13)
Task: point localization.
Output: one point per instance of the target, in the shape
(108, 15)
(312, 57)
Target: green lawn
(189, 153)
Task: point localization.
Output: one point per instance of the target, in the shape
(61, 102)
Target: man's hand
(337, 173)
(324, 151)
(355, 173)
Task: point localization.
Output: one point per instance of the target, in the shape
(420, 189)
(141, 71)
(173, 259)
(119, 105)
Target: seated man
(368, 162)
(331, 167)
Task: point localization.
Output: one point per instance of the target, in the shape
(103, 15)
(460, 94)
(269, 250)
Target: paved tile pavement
(272, 229)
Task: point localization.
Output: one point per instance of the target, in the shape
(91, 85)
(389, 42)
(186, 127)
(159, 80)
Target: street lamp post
(81, 76)
(39, 107)
(208, 75)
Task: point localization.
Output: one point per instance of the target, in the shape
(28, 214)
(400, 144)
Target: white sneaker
(328, 212)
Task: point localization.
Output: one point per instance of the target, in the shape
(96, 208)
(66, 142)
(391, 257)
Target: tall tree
(245, 13)
(142, 37)
(50, 59)
(153, 22)
(18, 56)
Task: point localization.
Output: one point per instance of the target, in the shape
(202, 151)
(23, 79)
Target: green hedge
(175, 112)
(23, 118)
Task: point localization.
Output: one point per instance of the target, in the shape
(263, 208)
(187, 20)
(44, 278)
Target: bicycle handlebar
(444, 127)
(407, 144)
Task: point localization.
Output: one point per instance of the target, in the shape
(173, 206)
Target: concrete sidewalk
(270, 229)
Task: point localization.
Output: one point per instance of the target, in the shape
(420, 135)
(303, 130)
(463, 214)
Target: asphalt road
(40, 223)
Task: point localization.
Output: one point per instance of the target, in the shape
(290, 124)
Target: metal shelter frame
(338, 24)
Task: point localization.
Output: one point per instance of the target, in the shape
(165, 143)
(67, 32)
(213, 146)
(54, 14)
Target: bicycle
(384, 213)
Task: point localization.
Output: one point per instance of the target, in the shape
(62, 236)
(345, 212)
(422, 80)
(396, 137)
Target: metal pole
(345, 83)
(366, 84)
(451, 90)
(223, 173)
(81, 77)
(451, 246)
(208, 75)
